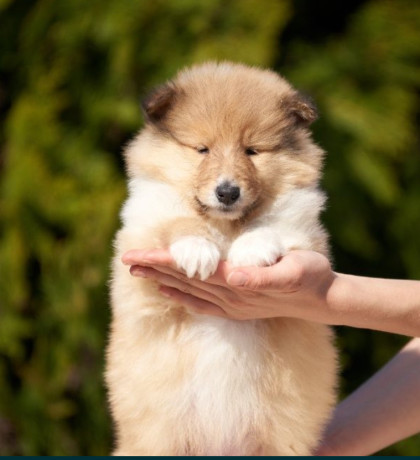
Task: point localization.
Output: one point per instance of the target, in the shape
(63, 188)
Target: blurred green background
(72, 74)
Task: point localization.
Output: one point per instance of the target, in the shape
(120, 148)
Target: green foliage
(366, 82)
(72, 73)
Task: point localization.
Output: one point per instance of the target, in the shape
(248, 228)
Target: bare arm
(384, 410)
(375, 303)
(300, 285)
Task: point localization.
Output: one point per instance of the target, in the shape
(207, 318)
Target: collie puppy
(225, 168)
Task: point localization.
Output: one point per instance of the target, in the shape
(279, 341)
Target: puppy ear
(157, 103)
(301, 108)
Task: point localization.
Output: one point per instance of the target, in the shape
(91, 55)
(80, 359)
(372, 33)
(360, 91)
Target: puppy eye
(202, 149)
(250, 151)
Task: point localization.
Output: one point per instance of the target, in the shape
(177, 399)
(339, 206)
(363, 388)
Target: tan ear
(301, 108)
(157, 103)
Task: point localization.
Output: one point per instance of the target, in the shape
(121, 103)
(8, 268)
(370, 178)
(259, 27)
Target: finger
(148, 257)
(195, 304)
(162, 260)
(222, 292)
(171, 281)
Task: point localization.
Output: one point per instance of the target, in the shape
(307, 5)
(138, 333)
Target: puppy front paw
(195, 255)
(255, 249)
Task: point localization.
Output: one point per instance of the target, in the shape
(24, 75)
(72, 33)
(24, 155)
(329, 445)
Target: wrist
(334, 300)
(353, 301)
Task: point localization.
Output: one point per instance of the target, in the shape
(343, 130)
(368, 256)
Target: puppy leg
(193, 247)
(259, 246)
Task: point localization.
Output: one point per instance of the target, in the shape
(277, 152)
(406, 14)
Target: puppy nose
(227, 193)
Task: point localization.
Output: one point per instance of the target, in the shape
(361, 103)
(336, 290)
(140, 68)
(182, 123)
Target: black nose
(227, 193)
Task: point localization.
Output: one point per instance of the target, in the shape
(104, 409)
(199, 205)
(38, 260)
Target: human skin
(384, 410)
(302, 284)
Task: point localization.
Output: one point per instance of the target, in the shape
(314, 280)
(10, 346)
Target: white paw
(195, 255)
(255, 249)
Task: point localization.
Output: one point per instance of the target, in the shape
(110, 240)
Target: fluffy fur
(187, 384)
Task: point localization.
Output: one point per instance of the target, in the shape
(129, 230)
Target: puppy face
(228, 137)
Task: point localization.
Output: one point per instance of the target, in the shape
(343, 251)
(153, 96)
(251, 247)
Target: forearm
(381, 412)
(374, 303)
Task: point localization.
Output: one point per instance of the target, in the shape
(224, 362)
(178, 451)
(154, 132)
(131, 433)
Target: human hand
(297, 286)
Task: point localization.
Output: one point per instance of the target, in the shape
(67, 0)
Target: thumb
(285, 276)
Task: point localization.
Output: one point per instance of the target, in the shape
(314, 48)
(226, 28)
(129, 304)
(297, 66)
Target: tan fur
(185, 384)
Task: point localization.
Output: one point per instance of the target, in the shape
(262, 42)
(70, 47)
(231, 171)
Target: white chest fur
(292, 218)
(223, 382)
(150, 203)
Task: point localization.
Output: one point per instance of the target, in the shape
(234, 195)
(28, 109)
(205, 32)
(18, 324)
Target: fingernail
(137, 271)
(125, 260)
(237, 279)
